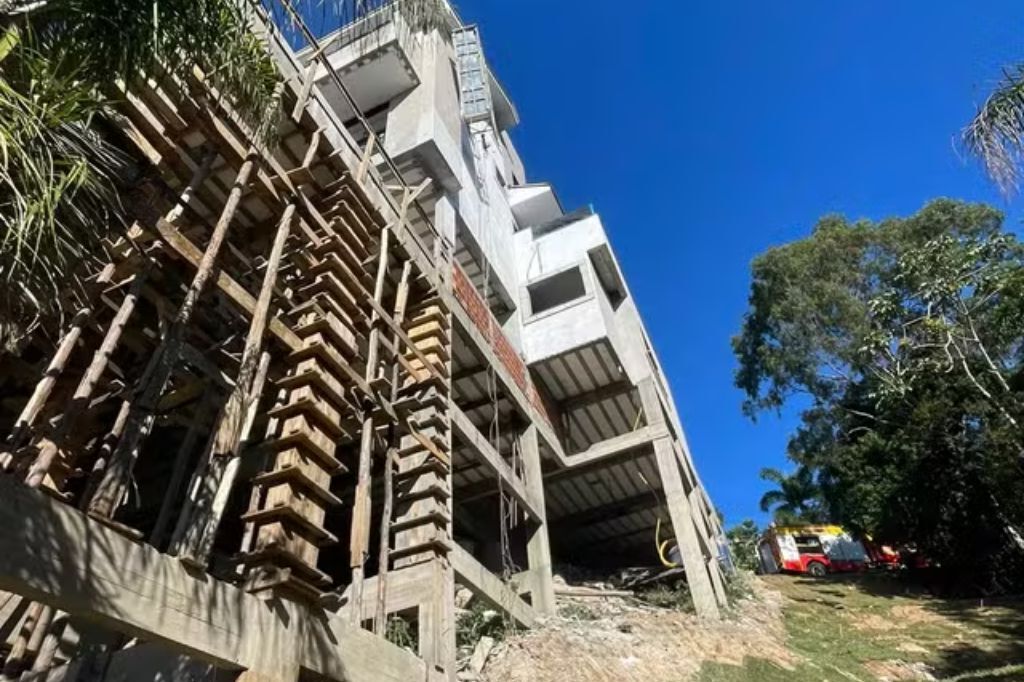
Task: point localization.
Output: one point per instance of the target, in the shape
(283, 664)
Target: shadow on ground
(958, 638)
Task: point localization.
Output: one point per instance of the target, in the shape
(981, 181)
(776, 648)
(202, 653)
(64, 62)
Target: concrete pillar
(706, 529)
(684, 525)
(538, 548)
(697, 575)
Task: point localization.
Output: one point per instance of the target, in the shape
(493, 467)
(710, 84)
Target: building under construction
(316, 387)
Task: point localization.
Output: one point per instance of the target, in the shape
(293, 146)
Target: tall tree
(905, 339)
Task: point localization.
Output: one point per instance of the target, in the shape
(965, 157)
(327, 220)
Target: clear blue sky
(705, 132)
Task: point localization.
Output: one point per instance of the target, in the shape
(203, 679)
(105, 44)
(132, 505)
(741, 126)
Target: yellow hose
(662, 545)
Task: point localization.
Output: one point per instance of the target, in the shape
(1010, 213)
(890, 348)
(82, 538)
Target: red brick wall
(489, 327)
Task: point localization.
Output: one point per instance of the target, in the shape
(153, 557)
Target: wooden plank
(235, 292)
(473, 575)
(469, 434)
(55, 555)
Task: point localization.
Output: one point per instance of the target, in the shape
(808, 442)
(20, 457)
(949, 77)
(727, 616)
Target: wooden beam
(473, 575)
(467, 432)
(55, 555)
(234, 291)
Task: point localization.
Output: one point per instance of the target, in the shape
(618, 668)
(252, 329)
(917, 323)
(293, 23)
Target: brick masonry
(474, 304)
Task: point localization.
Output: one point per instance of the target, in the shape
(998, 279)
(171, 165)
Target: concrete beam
(606, 512)
(604, 452)
(405, 589)
(473, 575)
(466, 431)
(612, 390)
(56, 555)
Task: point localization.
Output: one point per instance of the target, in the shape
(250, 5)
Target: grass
(865, 627)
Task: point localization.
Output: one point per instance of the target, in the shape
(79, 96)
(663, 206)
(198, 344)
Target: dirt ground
(618, 639)
(789, 629)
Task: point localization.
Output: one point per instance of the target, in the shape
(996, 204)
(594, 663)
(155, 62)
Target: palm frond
(771, 499)
(58, 185)
(996, 134)
(121, 39)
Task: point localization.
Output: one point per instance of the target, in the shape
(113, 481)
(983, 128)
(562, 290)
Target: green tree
(904, 339)
(743, 539)
(797, 498)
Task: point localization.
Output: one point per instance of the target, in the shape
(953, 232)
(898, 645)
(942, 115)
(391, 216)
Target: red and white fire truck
(811, 550)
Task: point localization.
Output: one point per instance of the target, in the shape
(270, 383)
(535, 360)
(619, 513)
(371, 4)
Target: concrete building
(407, 368)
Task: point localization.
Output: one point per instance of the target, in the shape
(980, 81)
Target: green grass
(845, 628)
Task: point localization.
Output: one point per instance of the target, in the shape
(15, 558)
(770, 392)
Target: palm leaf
(771, 499)
(996, 134)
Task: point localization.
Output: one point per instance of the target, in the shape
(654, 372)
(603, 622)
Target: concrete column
(697, 575)
(705, 527)
(684, 525)
(538, 548)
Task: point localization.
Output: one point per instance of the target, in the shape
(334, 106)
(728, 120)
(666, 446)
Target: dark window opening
(556, 290)
(808, 544)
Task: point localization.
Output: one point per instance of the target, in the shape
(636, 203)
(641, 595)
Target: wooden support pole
(114, 483)
(178, 472)
(211, 487)
(44, 388)
(359, 544)
(364, 162)
(17, 659)
(86, 386)
(51, 642)
(387, 513)
(538, 549)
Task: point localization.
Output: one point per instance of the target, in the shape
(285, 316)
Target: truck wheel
(817, 569)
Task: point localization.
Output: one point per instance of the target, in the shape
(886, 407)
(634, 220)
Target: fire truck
(811, 550)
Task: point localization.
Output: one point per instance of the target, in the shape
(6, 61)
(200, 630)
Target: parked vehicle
(814, 550)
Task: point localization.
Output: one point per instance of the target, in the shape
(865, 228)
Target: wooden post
(17, 658)
(178, 472)
(86, 387)
(51, 642)
(44, 388)
(384, 561)
(538, 548)
(118, 473)
(359, 544)
(211, 487)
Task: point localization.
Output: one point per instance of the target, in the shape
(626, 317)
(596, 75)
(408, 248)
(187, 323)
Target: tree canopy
(905, 337)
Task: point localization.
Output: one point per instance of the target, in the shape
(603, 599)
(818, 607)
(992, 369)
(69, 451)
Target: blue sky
(705, 132)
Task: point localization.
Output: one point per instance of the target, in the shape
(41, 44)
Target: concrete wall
(586, 319)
